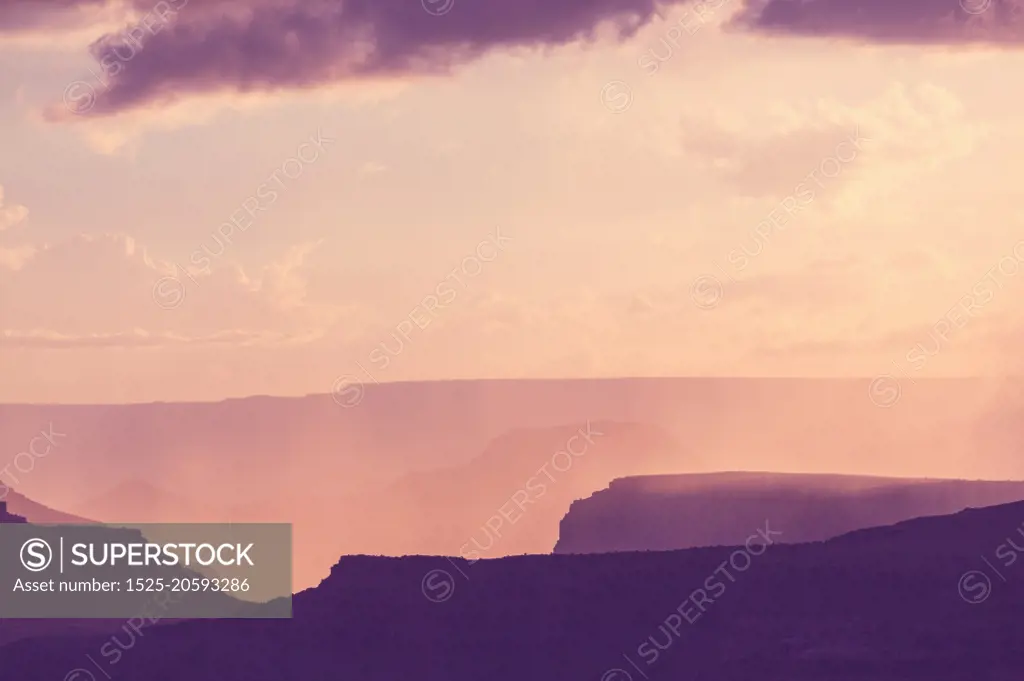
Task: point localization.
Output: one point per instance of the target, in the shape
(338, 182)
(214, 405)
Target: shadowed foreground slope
(37, 513)
(877, 605)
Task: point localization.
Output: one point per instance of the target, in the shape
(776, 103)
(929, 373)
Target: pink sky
(757, 203)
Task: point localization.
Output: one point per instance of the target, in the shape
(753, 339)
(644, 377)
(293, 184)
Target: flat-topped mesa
(671, 512)
(6, 517)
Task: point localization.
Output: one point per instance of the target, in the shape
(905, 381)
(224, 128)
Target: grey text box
(166, 571)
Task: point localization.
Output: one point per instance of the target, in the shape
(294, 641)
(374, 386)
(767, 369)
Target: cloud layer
(181, 47)
(17, 15)
(996, 22)
(10, 215)
(172, 49)
(48, 304)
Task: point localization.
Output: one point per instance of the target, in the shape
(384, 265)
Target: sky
(210, 198)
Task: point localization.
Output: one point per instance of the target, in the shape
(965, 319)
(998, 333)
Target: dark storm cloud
(266, 45)
(192, 46)
(18, 15)
(996, 22)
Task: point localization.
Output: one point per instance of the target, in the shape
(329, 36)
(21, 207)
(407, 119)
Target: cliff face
(660, 513)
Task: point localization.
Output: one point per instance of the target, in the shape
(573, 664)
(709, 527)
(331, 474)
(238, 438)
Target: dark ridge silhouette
(6, 517)
(17, 629)
(666, 512)
(880, 604)
(37, 513)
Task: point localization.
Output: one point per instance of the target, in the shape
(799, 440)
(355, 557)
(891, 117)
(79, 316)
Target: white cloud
(10, 215)
(122, 133)
(103, 290)
(42, 338)
(15, 258)
(372, 168)
(908, 131)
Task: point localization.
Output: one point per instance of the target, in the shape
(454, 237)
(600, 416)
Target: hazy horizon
(994, 380)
